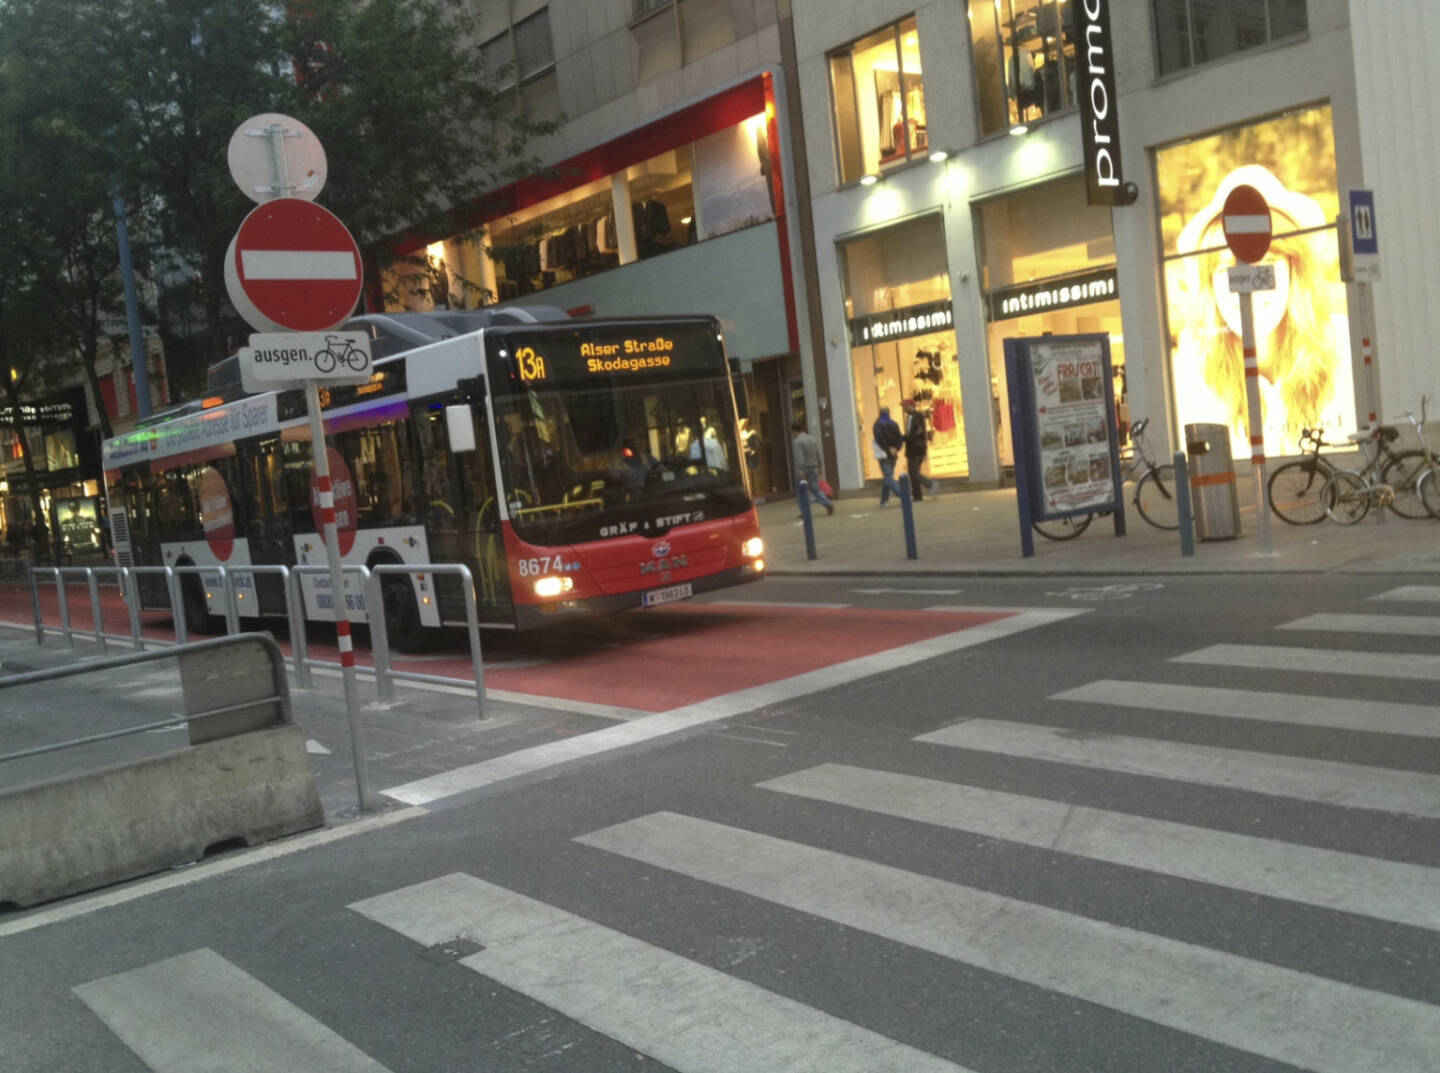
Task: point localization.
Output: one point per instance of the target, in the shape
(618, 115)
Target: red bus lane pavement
(649, 661)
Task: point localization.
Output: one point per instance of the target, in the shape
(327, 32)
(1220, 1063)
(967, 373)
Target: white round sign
(252, 157)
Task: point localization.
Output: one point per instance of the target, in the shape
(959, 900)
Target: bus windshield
(594, 447)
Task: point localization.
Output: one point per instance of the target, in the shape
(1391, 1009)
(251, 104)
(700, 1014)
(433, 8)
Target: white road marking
(1411, 665)
(690, 1017)
(1412, 594)
(1289, 1016)
(206, 870)
(910, 592)
(1387, 890)
(1398, 625)
(197, 1013)
(779, 604)
(1335, 713)
(637, 731)
(1326, 781)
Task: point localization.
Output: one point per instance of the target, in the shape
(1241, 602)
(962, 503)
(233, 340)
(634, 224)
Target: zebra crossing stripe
(1397, 625)
(1411, 665)
(1327, 781)
(1412, 594)
(197, 1012)
(690, 1017)
(1334, 713)
(1289, 1016)
(1386, 890)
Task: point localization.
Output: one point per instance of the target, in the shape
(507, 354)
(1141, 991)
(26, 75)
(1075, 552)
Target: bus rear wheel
(198, 619)
(402, 616)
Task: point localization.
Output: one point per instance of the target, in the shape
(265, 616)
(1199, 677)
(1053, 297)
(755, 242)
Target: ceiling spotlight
(869, 179)
(938, 155)
(1018, 129)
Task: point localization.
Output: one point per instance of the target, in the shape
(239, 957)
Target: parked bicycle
(1415, 474)
(1154, 497)
(1295, 488)
(1348, 494)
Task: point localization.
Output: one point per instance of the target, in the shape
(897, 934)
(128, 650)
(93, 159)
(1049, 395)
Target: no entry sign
(293, 266)
(1246, 219)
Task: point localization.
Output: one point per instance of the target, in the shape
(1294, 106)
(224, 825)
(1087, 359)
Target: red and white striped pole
(1256, 420)
(337, 587)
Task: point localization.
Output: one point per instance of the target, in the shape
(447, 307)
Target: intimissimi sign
(1099, 114)
(1008, 302)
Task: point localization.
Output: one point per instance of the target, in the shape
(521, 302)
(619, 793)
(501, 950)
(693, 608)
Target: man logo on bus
(661, 549)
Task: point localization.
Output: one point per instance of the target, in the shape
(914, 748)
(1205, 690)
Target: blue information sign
(1364, 238)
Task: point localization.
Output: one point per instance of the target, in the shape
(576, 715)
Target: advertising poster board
(1062, 408)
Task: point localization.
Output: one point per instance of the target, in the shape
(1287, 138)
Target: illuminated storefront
(902, 338)
(1302, 329)
(1048, 268)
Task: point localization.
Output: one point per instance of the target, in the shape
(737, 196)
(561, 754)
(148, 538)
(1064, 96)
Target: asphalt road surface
(1042, 825)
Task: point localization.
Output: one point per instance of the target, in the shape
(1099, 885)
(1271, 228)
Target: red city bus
(576, 467)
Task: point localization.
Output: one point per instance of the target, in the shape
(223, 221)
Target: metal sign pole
(1257, 423)
(337, 588)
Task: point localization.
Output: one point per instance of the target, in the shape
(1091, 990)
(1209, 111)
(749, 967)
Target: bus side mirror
(460, 427)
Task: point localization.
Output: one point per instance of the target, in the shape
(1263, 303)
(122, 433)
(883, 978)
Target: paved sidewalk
(978, 532)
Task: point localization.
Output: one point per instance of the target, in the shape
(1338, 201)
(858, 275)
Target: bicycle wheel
(325, 360)
(1346, 497)
(1403, 473)
(1155, 498)
(1063, 528)
(1428, 488)
(1295, 491)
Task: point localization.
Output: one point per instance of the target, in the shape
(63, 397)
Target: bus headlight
(753, 548)
(553, 586)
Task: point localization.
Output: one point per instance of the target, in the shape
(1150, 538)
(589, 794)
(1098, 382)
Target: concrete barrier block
(76, 833)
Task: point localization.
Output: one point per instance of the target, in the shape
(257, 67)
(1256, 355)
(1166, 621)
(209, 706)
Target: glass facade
(879, 101)
(715, 185)
(1301, 328)
(902, 343)
(1024, 53)
(1048, 267)
(1191, 32)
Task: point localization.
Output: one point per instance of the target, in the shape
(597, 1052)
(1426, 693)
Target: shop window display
(879, 101)
(1301, 327)
(1024, 58)
(902, 347)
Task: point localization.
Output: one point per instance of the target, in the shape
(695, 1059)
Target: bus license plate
(665, 596)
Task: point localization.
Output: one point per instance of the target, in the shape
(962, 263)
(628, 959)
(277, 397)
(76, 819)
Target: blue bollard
(802, 493)
(1182, 505)
(907, 515)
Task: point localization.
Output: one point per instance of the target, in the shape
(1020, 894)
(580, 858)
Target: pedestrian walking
(887, 444)
(917, 446)
(807, 464)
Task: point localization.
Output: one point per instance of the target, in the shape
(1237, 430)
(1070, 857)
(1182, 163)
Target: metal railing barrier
(277, 694)
(232, 617)
(58, 574)
(295, 621)
(380, 637)
(299, 643)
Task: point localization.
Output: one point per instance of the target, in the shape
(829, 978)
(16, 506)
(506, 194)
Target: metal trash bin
(1212, 482)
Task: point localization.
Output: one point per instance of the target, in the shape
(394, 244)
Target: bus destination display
(573, 358)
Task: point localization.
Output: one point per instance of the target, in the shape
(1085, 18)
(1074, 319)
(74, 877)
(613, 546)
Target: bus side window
(298, 468)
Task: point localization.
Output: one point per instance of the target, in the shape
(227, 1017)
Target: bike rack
(380, 637)
(300, 646)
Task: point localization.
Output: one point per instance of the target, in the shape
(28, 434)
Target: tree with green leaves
(144, 95)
